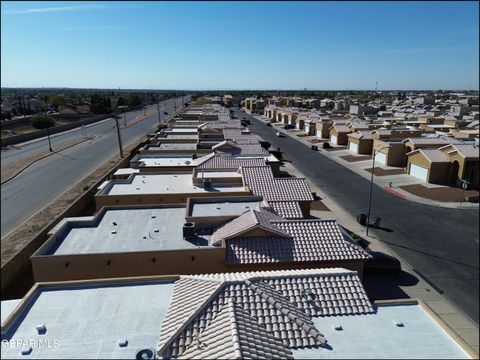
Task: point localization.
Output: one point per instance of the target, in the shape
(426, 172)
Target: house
(338, 134)
(288, 314)
(449, 164)
(389, 151)
(360, 142)
(423, 100)
(227, 100)
(322, 128)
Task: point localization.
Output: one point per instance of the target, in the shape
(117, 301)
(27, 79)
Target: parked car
(279, 134)
(288, 127)
(382, 263)
(269, 124)
(165, 113)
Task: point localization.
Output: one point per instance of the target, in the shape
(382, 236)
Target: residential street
(442, 244)
(45, 180)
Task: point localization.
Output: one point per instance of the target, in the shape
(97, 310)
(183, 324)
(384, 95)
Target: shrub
(42, 121)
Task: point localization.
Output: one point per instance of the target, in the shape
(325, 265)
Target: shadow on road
(384, 287)
(384, 229)
(428, 254)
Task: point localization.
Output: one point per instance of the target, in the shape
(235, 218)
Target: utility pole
(175, 105)
(49, 143)
(159, 115)
(119, 137)
(376, 86)
(125, 116)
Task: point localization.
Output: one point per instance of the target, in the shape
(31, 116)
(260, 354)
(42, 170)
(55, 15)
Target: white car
(279, 134)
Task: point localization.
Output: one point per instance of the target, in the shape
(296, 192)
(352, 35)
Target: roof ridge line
(234, 329)
(182, 327)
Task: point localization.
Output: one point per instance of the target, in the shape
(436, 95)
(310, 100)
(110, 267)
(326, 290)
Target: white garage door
(381, 158)
(353, 147)
(333, 139)
(419, 172)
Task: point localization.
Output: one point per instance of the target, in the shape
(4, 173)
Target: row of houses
(393, 140)
(200, 250)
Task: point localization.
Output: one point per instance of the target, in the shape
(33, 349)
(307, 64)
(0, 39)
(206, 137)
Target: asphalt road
(443, 244)
(47, 179)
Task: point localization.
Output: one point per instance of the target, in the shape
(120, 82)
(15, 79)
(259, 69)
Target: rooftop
(155, 160)
(90, 321)
(227, 207)
(172, 146)
(123, 229)
(168, 183)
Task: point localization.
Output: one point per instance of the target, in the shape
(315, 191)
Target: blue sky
(240, 45)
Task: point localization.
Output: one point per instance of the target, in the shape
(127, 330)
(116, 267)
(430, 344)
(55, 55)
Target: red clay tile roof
(262, 183)
(287, 209)
(251, 219)
(256, 315)
(229, 162)
(311, 240)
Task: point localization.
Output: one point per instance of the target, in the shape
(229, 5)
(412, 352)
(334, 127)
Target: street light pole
(159, 115)
(125, 116)
(49, 142)
(119, 137)
(371, 188)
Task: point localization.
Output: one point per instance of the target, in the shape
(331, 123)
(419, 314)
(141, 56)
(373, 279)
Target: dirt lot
(351, 158)
(446, 194)
(385, 172)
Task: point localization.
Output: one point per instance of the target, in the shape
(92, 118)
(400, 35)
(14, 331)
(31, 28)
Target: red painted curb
(394, 192)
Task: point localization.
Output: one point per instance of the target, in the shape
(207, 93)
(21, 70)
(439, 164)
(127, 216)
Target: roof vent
(207, 184)
(399, 324)
(41, 329)
(189, 231)
(114, 223)
(27, 351)
(338, 327)
(194, 156)
(153, 216)
(113, 232)
(123, 343)
(145, 354)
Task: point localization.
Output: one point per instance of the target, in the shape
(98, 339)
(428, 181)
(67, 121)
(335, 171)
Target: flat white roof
(126, 230)
(224, 208)
(172, 146)
(166, 160)
(182, 136)
(89, 321)
(376, 336)
(126, 171)
(217, 174)
(181, 130)
(163, 184)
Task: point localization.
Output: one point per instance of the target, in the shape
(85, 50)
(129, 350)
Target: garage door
(333, 139)
(419, 172)
(381, 158)
(353, 147)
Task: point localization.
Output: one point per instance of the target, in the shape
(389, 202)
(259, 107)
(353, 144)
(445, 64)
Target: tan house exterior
(360, 142)
(323, 129)
(449, 164)
(338, 135)
(389, 152)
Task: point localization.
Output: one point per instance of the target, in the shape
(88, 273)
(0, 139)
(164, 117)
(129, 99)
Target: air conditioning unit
(207, 184)
(189, 231)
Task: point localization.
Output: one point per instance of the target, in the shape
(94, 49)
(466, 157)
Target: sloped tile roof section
(434, 155)
(228, 162)
(251, 219)
(246, 340)
(183, 308)
(260, 314)
(470, 152)
(287, 209)
(310, 240)
(262, 183)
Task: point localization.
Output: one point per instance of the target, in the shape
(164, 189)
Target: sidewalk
(461, 325)
(391, 183)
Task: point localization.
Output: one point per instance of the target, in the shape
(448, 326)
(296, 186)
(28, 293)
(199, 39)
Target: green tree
(42, 121)
(134, 100)
(57, 100)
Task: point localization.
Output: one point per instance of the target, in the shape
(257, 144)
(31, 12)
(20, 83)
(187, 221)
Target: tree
(57, 100)
(134, 100)
(42, 121)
